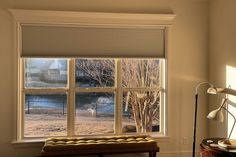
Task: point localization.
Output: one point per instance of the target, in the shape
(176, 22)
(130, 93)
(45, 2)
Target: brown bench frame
(152, 153)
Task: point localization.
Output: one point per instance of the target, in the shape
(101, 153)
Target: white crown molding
(91, 18)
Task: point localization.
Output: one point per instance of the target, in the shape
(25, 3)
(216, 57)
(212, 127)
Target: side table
(209, 148)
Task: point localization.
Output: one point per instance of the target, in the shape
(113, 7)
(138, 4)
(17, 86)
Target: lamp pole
(195, 114)
(233, 123)
(195, 123)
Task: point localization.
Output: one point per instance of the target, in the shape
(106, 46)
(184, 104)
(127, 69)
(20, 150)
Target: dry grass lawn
(55, 124)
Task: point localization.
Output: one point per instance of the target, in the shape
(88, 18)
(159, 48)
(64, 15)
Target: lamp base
(227, 144)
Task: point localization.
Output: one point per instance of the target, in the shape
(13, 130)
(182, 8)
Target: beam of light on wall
(231, 81)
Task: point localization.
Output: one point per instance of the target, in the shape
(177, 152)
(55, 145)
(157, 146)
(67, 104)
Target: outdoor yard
(46, 108)
(54, 124)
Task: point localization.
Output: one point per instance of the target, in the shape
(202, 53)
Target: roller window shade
(47, 41)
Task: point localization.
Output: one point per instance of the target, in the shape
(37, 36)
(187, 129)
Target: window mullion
(71, 98)
(21, 116)
(118, 98)
(143, 89)
(162, 97)
(101, 89)
(45, 90)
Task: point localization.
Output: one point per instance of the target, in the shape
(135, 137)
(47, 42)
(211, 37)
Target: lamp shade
(216, 114)
(214, 90)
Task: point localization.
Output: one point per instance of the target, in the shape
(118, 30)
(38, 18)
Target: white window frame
(70, 90)
(88, 19)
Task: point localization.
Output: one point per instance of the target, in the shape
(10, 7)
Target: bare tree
(100, 71)
(143, 106)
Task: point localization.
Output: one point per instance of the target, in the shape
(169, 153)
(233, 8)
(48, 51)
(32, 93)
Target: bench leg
(152, 154)
(100, 155)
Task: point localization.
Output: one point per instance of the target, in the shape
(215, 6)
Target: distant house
(56, 72)
(55, 68)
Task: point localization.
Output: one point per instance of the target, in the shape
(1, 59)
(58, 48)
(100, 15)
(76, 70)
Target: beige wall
(187, 66)
(222, 52)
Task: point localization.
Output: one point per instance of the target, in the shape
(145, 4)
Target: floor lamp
(195, 112)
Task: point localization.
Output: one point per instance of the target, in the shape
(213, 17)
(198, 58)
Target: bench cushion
(101, 145)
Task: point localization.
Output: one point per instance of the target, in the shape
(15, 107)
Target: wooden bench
(62, 147)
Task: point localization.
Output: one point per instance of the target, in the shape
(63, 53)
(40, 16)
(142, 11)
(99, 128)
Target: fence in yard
(46, 104)
(57, 104)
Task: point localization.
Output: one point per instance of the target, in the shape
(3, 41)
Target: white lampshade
(216, 114)
(214, 90)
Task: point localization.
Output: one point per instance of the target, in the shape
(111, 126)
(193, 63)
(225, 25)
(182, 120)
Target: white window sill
(28, 143)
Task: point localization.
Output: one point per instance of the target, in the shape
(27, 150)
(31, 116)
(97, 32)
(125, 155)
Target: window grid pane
(94, 113)
(41, 110)
(45, 73)
(141, 112)
(140, 73)
(95, 72)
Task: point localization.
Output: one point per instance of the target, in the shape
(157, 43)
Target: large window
(78, 73)
(85, 96)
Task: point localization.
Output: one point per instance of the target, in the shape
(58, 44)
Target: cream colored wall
(222, 52)
(187, 66)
